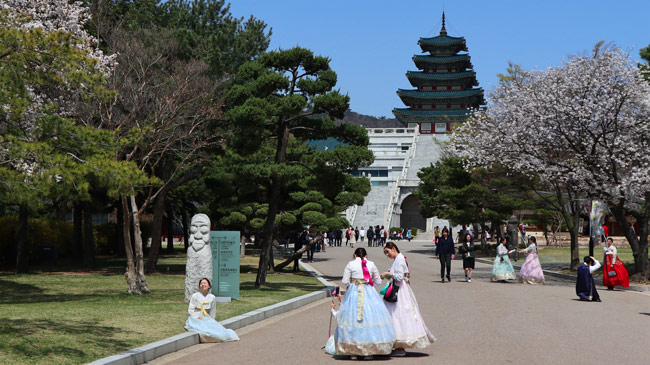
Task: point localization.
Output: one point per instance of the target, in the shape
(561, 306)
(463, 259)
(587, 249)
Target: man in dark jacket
(371, 236)
(445, 252)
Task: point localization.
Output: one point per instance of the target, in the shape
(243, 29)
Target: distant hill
(370, 121)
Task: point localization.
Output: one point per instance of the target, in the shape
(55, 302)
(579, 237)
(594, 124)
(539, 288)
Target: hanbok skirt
(410, 329)
(366, 329)
(502, 269)
(531, 271)
(210, 330)
(621, 278)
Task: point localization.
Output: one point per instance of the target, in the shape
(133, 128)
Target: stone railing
(351, 214)
(394, 191)
(392, 130)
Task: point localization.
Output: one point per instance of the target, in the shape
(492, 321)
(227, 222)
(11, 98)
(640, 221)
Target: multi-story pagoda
(445, 85)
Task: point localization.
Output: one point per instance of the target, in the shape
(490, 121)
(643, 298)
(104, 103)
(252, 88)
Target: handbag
(390, 295)
(611, 274)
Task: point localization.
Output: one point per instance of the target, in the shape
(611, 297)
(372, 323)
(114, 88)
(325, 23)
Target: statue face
(199, 231)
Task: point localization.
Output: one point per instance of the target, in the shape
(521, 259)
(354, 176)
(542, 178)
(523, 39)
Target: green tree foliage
(482, 195)
(283, 100)
(645, 67)
(174, 63)
(45, 154)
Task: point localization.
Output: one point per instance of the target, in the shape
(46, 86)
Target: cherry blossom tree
(584, 124)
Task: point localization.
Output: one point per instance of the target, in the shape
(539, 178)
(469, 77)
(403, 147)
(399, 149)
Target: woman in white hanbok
(201, 313)
(410, 329)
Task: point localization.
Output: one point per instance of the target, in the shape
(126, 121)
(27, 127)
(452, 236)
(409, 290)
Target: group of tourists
(369, 324)
(387, 323)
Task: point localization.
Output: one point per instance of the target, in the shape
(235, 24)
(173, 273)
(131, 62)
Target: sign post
(225, 264)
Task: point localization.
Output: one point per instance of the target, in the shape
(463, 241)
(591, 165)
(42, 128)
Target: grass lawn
(71, 317)
(557, 255)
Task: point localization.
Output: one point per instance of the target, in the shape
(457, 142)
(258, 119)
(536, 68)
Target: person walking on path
(410, 329)
(614, 272)
(364, 327)
(201, 313)
(409, 235)
(348, 233)
(467, 252)
(371, 236)
(356, 234)
(362, 233)
(445, 252)
(377, 236)
(436, 234)
(502, 269)
(585, 285)
(531, 271)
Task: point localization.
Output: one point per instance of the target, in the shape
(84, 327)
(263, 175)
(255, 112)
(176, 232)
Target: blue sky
(371, 42)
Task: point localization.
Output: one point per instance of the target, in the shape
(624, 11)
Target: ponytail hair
(360, 252)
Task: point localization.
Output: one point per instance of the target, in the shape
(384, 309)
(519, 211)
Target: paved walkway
(478, 322)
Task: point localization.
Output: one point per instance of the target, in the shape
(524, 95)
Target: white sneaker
(469, 280)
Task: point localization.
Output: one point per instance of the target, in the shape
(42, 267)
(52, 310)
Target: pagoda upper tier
(445, 91)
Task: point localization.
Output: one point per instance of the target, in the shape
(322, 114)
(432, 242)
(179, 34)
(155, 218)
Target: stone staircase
(372, 210)
(426, 153)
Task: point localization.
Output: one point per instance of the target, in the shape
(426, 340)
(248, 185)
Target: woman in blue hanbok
(202, 311)
(502, 269)
(364, 327)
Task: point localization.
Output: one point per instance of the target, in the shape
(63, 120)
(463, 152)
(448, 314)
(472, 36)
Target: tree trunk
(22, 259)
(484, 241)
(89, 238)
(186, 235)
(639, 246)
(170, 231)
(297, 254)
(274, 204)
(573, 232)
(141, 280)
(156, 234)
(129, 275)
(119, 249)
(77, 231)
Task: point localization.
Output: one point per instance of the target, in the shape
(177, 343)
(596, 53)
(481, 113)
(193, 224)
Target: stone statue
(199, 255)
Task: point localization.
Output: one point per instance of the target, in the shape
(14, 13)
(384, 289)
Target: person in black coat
(371, 236)
(445, 252)
(466, 249)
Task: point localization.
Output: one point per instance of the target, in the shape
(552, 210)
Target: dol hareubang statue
(199, 255)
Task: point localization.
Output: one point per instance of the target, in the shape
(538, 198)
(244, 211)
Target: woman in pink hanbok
(531, 271)
(410, 329)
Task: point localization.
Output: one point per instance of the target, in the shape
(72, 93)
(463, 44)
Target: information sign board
(225, 263)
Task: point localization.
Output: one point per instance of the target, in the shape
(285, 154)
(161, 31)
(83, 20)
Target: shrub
(41, 232)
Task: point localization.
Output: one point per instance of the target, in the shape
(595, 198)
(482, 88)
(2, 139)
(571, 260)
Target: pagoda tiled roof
(439, 94)
(441, 112)
(441, 59)
(440, 76)
(442, 40)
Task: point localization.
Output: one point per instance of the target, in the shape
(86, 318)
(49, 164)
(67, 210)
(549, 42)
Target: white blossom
(585, 123)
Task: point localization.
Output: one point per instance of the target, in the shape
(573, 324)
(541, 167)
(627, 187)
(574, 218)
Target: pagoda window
(449, 87)
(419, 106)
(448, 106)
(441, 128)
(462, 106)
(433, 106)
(434, 88)
(449, 69)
